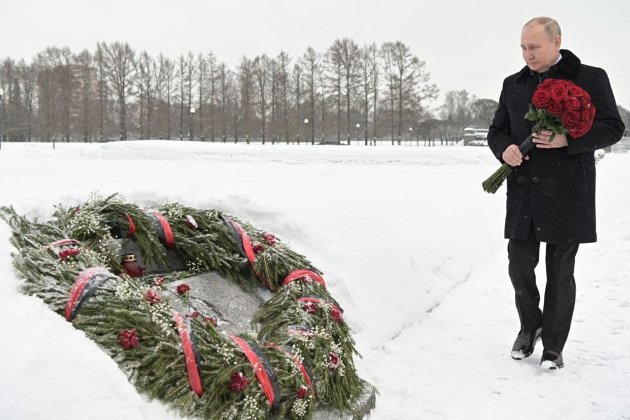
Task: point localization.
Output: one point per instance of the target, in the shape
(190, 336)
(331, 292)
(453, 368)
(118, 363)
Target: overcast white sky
(467, 44)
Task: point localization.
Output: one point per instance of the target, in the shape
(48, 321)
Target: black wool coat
(555, 189)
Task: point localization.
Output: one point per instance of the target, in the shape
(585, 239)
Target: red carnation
(302, 392)
(158, 281)
(333, 360)
(337, 315)
(309, 307)
(152, 297)
(270, 238)
(194, 314)
(238, 382)
(257, 248)
(183, 289)
(128, 339)
(68, 253)
(191, 222)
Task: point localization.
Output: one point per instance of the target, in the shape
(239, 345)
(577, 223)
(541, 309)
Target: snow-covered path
(409, 244)
(455, 363)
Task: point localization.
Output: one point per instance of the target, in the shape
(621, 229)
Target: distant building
(475, 136)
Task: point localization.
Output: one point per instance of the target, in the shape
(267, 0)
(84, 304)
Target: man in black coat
(551, 192)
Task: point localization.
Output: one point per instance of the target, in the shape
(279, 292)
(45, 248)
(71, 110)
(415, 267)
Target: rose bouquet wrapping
(557, 105)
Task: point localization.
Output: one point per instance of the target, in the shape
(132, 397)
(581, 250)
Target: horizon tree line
(348, 92)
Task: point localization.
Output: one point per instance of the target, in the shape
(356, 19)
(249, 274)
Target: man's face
(539, 52)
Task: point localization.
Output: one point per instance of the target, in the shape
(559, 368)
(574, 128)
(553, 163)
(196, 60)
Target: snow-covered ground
(410, 245)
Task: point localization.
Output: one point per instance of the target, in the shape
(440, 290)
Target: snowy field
(409, 243)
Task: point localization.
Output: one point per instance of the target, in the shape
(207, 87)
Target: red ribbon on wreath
(301, 274)
(190, 354)
(262, 369)
(85, 286)
(248, 248)
(169, 239)
(132, 226)
(300, 365)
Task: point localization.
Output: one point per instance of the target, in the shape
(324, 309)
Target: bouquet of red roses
(559, 106)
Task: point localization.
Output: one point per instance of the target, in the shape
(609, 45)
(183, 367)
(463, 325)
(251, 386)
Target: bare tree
(148, 75)
(284, 61)
(482, 111)
(87, 77)
(368, 85)
(181, 80)
(223, 74)
(409, 82)
(121, 70)
(202, 84)
(334, 60)
(297, 91)
(311, 64)
(246, 94)
(101, 80)
(28, 79)
(262, 68)
(212, 74)
(190, 80)
(164, 91)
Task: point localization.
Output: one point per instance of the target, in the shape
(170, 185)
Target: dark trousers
(556, 316)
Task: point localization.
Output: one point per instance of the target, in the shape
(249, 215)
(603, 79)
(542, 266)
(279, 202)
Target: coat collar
(567, 67)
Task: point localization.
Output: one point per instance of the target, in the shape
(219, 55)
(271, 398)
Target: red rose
(152, 297)
(569, 118)
(333, 360)
(158, 281)
(573, 103)
(128, 339)
(302, 392)
(541, 98)
(555, 108)
(257, 248)
(576, 91)
(335, 312)
(579, 129)
(558, 91)
(269, 238)
(183, 289)
(310, 307)
(238, 382)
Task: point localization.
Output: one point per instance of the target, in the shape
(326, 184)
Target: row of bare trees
(348, 91)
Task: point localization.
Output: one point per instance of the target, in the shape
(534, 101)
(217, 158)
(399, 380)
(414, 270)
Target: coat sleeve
(499, 137)
(608, 127)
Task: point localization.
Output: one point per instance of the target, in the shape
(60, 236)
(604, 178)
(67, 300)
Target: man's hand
(541, 140)
(512, 155)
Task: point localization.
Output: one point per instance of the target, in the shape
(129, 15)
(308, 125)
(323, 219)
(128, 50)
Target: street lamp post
(410, 134)
(358, 130)
(192, 113)
(306, 130)
(1, 111)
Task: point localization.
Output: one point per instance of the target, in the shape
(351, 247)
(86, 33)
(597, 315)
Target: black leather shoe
(524, 345)
(551, 360)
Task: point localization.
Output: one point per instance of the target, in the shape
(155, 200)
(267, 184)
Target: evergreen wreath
(303, 353)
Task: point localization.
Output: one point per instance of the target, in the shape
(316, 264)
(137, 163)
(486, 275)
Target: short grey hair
(552, 29)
